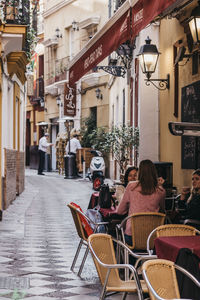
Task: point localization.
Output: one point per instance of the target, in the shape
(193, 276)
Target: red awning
(145, 11)
(116, 31)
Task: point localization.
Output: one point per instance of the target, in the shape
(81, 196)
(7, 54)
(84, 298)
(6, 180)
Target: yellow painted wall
(1, 205)
(16, 117)
(170, 146)
(89, 100)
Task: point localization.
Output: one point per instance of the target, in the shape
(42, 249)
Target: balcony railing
(15, 11)
(59, 72)
(39, 88)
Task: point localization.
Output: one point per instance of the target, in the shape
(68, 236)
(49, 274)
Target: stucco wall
(148, 101)
(9, 189)
(170, 146)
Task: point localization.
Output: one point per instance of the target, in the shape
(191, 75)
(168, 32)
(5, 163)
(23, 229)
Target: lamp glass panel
(194, 25)
(141, 60)
(150, 61)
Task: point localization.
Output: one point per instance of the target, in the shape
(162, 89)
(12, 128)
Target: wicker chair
(102, 249)
(170, 230)
(142, 225)
(160, 277)
(78, 217)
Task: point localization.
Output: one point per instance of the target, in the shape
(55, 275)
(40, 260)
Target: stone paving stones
(38, 241)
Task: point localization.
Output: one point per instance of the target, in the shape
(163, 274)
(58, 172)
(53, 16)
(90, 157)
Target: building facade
(88, 38)
(13, 46)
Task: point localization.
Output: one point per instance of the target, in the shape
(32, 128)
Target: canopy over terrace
(126, 23)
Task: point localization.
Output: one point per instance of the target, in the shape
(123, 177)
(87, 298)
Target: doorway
(54, 133)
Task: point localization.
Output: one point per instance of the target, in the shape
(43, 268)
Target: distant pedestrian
(42, 149)
(74, 144)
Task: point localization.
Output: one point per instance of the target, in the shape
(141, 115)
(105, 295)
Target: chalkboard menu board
(190, 112)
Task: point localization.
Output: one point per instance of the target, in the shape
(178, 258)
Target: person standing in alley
(72, 147)
(42, 149)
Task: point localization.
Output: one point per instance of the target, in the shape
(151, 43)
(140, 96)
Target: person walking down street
(42, 149)
(72, 148)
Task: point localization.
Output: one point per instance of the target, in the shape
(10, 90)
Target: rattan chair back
(142, 224)
(175, 230)
(103, 253)
(77, 221)
(103, 247)
(162, 277)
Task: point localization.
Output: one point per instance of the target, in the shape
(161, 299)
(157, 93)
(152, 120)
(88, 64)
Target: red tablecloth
(168, 247)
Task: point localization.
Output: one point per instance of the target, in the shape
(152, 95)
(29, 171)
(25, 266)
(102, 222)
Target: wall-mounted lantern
(148, 57)
(58, 34)
(194, 24)
(58, 100)
(41, 102)
(98, 94)
(75, 26)
(125, 54)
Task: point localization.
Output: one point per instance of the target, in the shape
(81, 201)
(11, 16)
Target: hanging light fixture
(194, 24)
(75, 26)
(41, 102)
(125, 54)
(58, 100)
(58, 34)
(98, 94)
(148, 57)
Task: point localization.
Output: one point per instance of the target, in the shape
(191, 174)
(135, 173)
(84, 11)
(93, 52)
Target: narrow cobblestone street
(39, 240)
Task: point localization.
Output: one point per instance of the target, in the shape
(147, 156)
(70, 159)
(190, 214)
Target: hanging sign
(69, 100)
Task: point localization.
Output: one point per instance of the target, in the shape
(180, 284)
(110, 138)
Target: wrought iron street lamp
(194, 24)
(148, 57)
(125, 53)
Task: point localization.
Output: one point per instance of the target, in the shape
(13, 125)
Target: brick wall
(20, 172)
(9, 189)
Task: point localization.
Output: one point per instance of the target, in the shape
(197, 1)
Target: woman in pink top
(144, 195)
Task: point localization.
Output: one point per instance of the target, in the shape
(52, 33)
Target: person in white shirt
(42, 149)
(72, 147)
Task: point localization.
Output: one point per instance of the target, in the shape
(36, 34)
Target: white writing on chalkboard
(190, 112)
(189, 149)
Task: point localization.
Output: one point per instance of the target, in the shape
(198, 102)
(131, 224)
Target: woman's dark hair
(147, 176)
(127, 173)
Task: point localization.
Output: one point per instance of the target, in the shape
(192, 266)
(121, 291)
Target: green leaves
(120, 141)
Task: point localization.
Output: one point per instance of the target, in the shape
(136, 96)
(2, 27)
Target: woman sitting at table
(190, 201)
(130, 175)
(144, 195)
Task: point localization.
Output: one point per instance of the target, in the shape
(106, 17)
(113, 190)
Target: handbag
(96, 217)
(104, 196)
